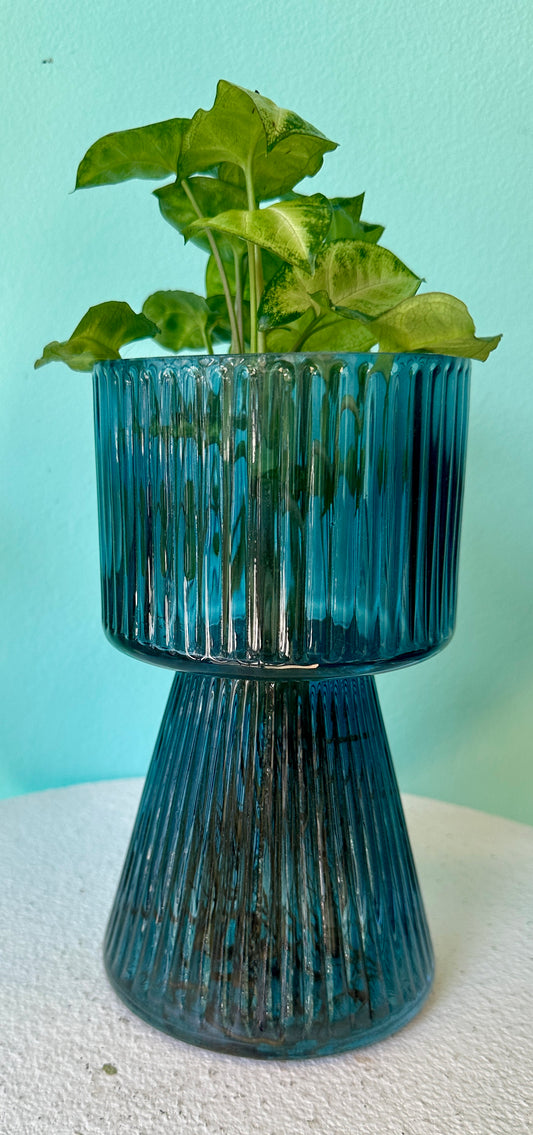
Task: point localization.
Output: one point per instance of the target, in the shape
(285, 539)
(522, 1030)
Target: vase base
(205, 1036)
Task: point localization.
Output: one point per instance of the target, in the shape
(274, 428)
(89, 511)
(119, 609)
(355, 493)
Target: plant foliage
(286, 271)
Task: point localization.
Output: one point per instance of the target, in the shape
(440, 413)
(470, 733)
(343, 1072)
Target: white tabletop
(464, 1065)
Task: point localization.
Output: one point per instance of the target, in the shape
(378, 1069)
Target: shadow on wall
(461, 727)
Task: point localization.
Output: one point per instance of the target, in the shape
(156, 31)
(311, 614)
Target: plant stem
(253, 298)
(252, 265)
(208, 342)
(218, 259)
(259, 271)
(226, 452)
(238, 297)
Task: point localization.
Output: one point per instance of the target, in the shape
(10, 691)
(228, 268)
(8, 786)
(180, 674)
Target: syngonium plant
(286, 271)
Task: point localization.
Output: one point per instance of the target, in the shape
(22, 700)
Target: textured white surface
(464, 1066)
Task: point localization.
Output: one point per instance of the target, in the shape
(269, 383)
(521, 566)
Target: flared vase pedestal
(269, 904)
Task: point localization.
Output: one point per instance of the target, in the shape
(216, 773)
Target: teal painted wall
(431, 102)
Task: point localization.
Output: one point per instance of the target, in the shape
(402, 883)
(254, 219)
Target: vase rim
(264, 356)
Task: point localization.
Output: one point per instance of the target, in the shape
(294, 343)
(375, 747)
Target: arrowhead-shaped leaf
(346, 223)
(280, 340)
(98, 336)
(213, 284)
(333, 333)
(320, 328)
(219, 325)
(250, 132)
(354, 274)
(433, 322)
(293, 230)
(347, 210)
(146, 151)
(369, 231)
(277, 172)
(212, 196)
(183, 319)
(329, 333)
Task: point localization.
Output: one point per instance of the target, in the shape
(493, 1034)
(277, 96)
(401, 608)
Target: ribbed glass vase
(276, 529)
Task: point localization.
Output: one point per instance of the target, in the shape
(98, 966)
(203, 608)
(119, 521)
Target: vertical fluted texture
(301, 510)
(269, 904)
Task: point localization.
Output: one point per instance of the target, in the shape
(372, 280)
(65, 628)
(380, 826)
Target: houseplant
(276, 523)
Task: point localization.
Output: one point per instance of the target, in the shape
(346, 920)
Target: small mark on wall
(109, 1069)
(49, 60)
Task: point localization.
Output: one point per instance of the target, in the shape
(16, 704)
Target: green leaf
(354, 274)
(292, 230)
(183, 319)
(219, 325)
(282, 340)
(370, 232)
(276, 172)
(320, 331)
(146, 151)
(245, 130)
(213, 283)
(333, 333)
(434, 322)
(346, 211)
(212, 195)
(271, 264)
(346, 223)
(98, 336)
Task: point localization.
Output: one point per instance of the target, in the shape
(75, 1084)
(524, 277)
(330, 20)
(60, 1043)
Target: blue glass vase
(276, 529)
